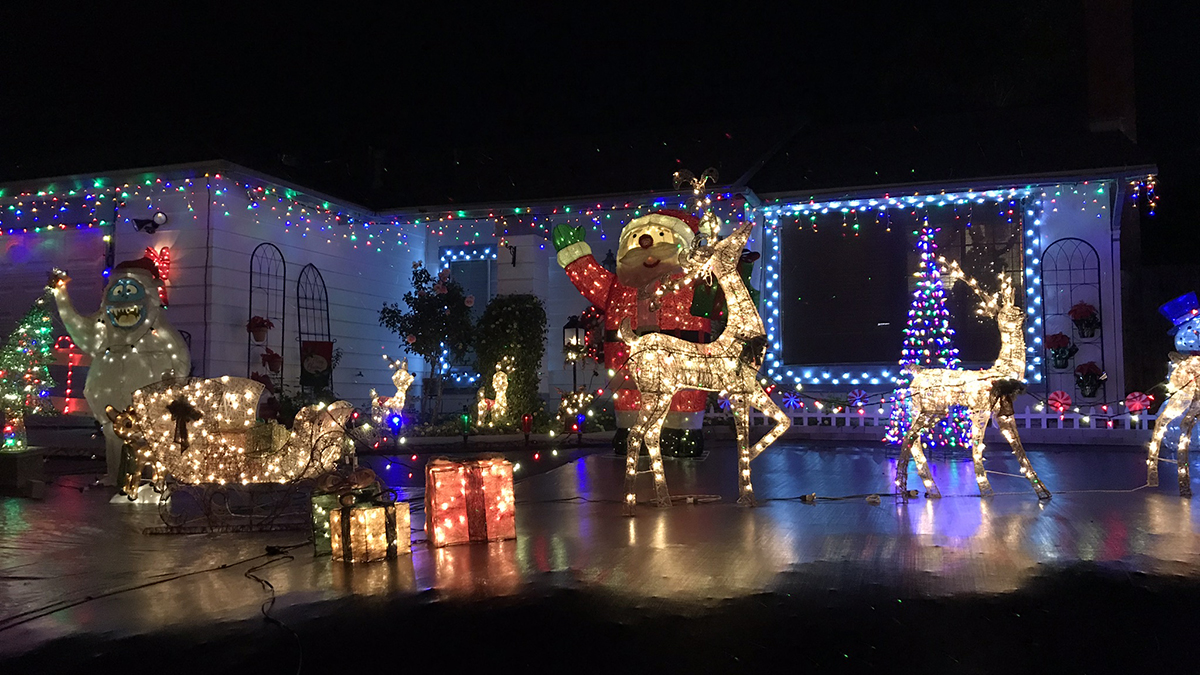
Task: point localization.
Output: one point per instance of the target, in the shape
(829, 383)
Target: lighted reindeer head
(124, 422)
(1000, 305)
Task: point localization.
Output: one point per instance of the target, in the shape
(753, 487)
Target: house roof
(769, 155)
(944, 149)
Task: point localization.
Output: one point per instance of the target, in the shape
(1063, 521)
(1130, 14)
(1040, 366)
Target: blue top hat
(1180, 311)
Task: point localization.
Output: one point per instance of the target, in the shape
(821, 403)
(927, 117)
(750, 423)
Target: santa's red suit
(670, 313)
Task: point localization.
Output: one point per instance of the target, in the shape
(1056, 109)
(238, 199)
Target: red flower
(1081, 310)
(1089, 368)
(1057, 341)
(258, 323)
(266, 381)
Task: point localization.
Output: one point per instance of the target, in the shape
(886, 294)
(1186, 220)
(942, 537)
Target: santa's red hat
(685, 225)
(140, 266)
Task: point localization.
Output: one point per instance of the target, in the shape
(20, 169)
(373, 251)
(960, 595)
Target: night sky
(356, 104)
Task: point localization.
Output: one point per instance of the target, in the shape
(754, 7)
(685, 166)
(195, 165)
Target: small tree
(438, 319)
(513, 326)
(25, 380)
(928, 342)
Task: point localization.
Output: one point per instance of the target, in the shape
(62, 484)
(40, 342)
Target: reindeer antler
(708, 222)
(990, 303)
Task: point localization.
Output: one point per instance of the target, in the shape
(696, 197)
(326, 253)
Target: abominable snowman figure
(1177, 416)
(130, 341)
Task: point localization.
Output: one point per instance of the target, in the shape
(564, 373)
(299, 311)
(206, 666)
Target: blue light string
(453, 254)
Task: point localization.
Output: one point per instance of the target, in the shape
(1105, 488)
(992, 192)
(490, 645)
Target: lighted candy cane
(161, 260)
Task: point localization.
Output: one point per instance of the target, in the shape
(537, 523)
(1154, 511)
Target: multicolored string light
(928, 342)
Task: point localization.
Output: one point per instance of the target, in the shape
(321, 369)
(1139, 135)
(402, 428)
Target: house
(836, 274)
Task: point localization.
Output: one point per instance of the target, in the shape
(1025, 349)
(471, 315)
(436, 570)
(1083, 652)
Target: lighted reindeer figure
(382, 406)
(495, 411)
(985, 393)
(1184, 405)
(662, 365)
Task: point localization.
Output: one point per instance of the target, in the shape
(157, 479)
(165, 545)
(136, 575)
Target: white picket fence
(1090, 425)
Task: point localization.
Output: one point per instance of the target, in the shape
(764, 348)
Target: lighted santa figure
(649, 254)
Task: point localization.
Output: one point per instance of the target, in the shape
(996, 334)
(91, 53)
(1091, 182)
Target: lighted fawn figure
(500, 403)
(495, 411)
(1184, 405)
(382, 406)
(662, 365)
(482, 405)
(986, 394)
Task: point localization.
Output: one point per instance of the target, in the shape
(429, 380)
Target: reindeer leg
(931, 488)
(1185, 440)
(913, 435)
(902, 470)
(741, 422)
(1008, 427)
(979, 422)
(656, 407)
(760, 400)
(1173, 409)
(633, 443)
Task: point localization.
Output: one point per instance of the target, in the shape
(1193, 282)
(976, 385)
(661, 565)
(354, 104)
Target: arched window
(1071, 275)
(312, 303)
(268, 299)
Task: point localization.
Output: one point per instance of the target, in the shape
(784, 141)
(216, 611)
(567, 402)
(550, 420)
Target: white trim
(573, 252)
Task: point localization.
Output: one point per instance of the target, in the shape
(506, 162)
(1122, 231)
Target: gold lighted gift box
(370, 532)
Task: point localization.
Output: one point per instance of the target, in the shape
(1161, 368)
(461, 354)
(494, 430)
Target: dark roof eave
(927, 187)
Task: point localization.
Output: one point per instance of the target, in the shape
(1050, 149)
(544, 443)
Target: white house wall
(359, 278)
(186, 205)
(27, 258)
(209, 286)
(1084, 211)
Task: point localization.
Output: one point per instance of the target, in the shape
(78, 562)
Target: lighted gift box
(369, 532)
(469, 501)
(333, 490)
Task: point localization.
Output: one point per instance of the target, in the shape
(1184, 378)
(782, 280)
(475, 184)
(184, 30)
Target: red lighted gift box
(469, 501)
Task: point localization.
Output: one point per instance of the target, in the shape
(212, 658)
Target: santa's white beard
(632, 269)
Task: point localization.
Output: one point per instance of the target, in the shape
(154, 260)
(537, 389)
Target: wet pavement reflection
(58, 552)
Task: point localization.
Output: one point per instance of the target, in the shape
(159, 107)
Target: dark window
(847, 280)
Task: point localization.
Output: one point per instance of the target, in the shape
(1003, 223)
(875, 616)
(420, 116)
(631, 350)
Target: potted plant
(265, 380)
(1061, 350)
(273, 361)
(1086, 319)
(1088, 378)
(258, 326)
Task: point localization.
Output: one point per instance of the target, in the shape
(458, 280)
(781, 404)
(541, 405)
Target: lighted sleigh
(200, 441)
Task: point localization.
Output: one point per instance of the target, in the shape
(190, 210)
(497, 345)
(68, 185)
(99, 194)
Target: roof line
(580, 200)
(532, 207)
(744, 180)
(223, 166)
(996, 182)
(189, 170)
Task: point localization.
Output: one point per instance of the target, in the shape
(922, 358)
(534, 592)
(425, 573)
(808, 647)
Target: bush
(513, 326)
(438, 314)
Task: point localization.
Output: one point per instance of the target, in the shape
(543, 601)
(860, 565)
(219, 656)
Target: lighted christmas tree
(928, 342)
(25, 380)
